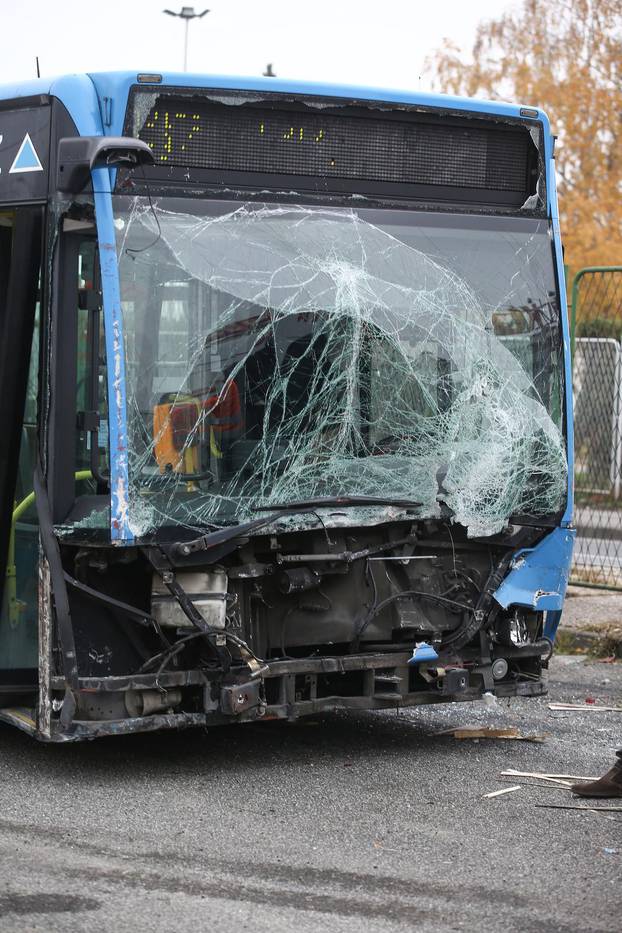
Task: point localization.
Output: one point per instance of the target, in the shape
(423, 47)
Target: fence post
(616, 439)
(596, 296)
(573, 308)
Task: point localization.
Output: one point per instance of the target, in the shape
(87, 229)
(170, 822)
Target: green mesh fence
(597, 385)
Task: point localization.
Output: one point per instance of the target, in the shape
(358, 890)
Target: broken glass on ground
(279, 353)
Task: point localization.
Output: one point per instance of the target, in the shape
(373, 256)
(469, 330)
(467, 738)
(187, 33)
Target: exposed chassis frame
(377, 668)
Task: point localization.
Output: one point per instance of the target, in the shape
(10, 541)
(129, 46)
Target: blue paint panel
(551, 624)
(116, 85)
(423, 652)
(120, 531)
(76, 92)
(25, 88)
(539, 576)
(79, 96)
(559, 261)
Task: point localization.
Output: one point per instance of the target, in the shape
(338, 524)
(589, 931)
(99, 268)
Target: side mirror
(77, 155)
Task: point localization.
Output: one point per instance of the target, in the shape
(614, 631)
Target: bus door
(20, 265)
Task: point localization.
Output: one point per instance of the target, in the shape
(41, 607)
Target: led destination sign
(404, 149)
(171, 133)
(257, 140)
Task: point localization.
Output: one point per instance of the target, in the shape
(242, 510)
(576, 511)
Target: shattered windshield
(280, 353)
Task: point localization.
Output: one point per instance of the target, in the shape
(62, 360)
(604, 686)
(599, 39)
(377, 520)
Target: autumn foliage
(565, 57)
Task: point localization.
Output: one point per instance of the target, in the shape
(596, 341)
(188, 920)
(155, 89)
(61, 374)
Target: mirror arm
(79, 155)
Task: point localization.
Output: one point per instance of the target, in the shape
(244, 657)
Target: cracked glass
(282, 353)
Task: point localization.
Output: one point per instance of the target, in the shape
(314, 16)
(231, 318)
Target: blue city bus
(285, 401)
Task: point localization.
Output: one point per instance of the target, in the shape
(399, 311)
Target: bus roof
(84, 94)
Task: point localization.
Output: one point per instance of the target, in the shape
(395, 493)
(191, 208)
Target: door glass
(91, 385)
(18, 620)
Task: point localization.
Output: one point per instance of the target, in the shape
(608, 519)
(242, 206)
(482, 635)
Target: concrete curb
(599, 642)
(591, 623)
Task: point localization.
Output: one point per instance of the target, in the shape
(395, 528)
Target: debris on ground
(575, 806)
(547, 774)
(590, 706)
(561, 786)
(490, 732)
(563, 780)
(498, 793)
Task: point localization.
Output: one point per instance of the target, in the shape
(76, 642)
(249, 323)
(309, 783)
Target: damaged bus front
(297, 432)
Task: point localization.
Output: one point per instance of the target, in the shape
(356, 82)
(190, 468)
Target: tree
(565, 57)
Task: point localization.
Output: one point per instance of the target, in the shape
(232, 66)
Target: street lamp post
(186, 13)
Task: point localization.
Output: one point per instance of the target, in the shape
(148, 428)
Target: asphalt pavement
(350, 822)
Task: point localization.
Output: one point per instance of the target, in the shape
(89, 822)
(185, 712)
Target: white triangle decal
(26, 159)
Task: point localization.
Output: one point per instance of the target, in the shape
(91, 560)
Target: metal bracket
(237, 698)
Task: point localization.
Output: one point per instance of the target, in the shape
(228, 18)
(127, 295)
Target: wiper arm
(225, 535)
(344, 501)
(216, 539)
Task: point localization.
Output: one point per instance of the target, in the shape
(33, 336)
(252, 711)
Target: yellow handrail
(25, 504)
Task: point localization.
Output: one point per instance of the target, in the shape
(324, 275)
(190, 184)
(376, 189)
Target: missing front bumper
(288, 690)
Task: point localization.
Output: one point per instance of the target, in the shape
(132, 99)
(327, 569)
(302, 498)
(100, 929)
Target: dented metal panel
(538, 577)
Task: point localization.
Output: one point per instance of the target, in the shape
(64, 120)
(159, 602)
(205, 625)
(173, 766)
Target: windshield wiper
(216, 539)
(345, 501)
(224, 536)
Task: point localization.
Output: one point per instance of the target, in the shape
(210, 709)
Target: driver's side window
(91, 385)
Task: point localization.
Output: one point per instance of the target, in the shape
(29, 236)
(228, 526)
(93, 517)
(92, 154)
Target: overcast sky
(384, 42)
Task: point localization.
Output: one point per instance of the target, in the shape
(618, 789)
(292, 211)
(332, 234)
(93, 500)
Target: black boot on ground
(609, 785)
